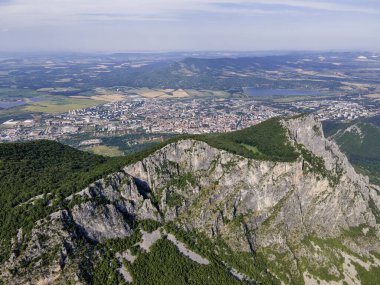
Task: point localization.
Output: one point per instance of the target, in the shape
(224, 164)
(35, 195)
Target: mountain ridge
(295, 222)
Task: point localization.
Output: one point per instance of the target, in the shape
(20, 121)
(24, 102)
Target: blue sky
(184, 25)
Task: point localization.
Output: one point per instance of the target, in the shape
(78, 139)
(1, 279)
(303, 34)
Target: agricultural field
(60, 104)
(375, 96)
(23, 102)
(153, 93)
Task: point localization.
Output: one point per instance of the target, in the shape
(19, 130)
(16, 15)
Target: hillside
(48, 171)
(273, 203)
(228, 74)
(359, 140)
(265, 141)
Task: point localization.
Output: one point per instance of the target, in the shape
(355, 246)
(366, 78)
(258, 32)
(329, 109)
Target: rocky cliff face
(290, 213)
(217, 185)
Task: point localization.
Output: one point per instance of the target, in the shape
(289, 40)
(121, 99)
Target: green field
(60, 104)
(41, 102)
(104, 150)
(15, 94)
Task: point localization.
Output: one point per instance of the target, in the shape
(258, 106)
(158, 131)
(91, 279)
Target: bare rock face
(100, 223)
(277, 201)
(46, 251)
(348, 202)
(269, 206)
(55, 249)
(306, 130)
(112, 204)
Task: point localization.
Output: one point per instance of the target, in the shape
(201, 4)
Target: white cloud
(60, 11)
(147, 24)
(320, 5)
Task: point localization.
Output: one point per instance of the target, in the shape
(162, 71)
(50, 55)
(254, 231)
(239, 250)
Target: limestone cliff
(308, 218)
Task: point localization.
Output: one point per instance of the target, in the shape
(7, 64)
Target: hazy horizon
(188, 25)
(42, 52)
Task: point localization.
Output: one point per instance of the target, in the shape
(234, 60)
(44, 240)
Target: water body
(282, 92)
(12, 104)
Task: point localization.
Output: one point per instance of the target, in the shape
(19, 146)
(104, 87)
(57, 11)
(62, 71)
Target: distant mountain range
(222, 71)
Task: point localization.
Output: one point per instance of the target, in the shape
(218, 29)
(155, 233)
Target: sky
(188, 25)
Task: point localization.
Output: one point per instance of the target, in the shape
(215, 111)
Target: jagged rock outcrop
(308, 132)
(46, 253)
(268, 205)
(255, 206)
(55, 251)
(224, 186)
(100, 223)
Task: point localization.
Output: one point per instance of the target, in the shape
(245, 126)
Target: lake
(12, 104)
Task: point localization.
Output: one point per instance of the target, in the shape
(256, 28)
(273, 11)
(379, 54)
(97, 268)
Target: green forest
(42, 168)
(362, 149)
